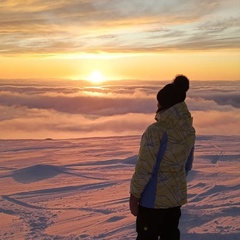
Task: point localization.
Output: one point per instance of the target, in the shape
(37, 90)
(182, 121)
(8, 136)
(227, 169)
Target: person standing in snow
(158, 186)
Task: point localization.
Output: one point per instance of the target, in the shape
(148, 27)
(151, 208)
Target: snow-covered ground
(78, 189)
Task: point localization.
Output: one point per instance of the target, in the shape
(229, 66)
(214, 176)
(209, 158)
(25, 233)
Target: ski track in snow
(78, 189)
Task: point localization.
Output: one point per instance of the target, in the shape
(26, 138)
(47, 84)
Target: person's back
(165, 156)
(177, 135)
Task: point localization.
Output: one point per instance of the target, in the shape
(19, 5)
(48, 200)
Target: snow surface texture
(79, 189)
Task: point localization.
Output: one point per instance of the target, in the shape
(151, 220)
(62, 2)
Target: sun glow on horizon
(96, 77)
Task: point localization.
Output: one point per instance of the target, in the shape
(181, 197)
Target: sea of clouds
(75, 109)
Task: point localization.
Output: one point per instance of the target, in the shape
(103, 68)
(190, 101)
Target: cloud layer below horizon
(43, 109)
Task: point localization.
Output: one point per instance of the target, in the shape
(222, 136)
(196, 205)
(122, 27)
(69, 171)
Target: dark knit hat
(173, 93)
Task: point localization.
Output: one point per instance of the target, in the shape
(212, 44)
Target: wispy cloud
(85, 26)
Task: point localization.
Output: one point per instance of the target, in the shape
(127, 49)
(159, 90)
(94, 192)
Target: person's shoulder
(155, 129)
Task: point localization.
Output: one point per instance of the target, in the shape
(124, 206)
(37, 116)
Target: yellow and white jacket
(165, 157)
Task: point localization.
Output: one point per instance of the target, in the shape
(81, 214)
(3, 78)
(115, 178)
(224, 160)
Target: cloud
(43, 109)
(226, 94)
(219, 25)
(65, 27)
(83, 102)
(232, 99)
(112, 100)
(216, 123)
(39, 123)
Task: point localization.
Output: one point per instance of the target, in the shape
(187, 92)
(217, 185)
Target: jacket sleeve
(146, 161)
(188, 165)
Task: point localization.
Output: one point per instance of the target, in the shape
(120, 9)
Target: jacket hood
(176, 117)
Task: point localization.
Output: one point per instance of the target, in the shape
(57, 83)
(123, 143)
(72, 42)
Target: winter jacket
(165, 157)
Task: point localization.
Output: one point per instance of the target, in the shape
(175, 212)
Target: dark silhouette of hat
(173, 93)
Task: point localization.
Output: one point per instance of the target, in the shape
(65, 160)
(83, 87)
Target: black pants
(154, 223)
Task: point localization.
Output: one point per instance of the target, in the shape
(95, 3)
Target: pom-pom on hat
(173, 93)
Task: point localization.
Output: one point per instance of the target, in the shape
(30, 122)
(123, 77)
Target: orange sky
(154, 40)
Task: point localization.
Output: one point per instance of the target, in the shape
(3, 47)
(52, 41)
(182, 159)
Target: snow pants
(154, 224)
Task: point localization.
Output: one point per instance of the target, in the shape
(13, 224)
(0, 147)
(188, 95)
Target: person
(158, 186)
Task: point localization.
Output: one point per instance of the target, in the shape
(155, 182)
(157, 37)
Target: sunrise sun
(96, 77)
